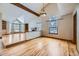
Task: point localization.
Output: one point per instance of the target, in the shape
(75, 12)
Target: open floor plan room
(39, 29)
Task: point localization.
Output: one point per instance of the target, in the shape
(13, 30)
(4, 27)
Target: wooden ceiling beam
(25, 8)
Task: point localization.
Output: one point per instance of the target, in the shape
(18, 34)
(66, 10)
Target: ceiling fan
(43, 12)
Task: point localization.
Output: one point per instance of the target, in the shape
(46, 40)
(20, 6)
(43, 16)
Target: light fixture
(43, 13)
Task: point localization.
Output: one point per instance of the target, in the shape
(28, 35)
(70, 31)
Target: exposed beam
(25, 8)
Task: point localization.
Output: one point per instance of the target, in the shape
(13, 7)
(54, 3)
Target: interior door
(26, 27)
(4, 25)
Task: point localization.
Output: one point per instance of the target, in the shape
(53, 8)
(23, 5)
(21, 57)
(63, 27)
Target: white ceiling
(52, 9)
(63, 8)
(66, 8)
(13, 12)
(35, 6)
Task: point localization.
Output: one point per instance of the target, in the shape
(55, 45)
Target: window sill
(54, 33)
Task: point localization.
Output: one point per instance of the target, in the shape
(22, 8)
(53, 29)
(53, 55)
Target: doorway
(75, 28)
(26, 27)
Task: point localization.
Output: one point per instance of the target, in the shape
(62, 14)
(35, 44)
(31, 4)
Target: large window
(53, 28)
(17, 26)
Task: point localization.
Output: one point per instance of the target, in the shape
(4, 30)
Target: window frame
(13, 28)
(53, 27)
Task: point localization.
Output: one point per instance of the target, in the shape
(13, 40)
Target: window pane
(53, 30)
(16, 27)
(53, 24)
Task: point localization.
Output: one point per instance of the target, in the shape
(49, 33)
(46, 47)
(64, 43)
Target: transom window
(53, 28)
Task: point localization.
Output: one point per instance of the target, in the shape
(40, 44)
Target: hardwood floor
(41, 47)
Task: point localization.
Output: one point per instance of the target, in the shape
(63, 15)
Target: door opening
(75, 28)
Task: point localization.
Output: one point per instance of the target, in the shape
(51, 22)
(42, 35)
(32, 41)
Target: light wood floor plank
(41, 47)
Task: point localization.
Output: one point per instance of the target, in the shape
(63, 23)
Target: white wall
(78, 27)
(65, 28)
(0, 28)
(0, 25)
